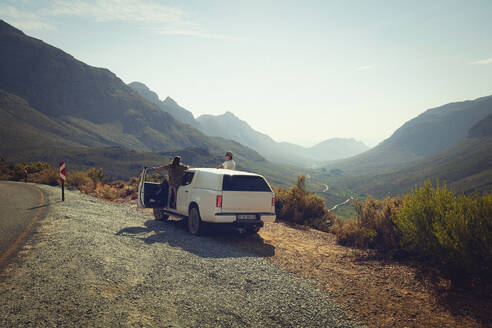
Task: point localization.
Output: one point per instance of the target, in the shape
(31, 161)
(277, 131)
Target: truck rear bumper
(233, 218)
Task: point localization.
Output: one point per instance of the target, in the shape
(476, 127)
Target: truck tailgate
(247, 202)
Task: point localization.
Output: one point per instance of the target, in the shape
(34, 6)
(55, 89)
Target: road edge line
(16, 243)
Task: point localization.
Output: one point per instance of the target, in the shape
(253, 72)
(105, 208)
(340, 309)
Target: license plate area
(246, 217)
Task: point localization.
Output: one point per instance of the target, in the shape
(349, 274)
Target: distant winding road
(21, 205)
(345, 202)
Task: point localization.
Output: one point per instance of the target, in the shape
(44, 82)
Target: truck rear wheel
(195, 224)
(160, 215)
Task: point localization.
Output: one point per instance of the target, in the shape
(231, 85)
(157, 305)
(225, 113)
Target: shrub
(34, 168)
(96, 176)
(48, 176)
(376, 225)
(346, 231)
(109, 192)
(77, 179)
(455, 230)
(296, 205)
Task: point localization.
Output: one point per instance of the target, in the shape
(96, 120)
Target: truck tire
(160, 215)
(195, 224)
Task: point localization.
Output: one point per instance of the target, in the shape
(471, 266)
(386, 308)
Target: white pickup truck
(207, 196)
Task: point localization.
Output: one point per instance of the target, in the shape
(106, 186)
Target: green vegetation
(454, 231)
(296, 205)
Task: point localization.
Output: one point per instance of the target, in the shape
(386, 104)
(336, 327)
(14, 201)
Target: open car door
(152, 194)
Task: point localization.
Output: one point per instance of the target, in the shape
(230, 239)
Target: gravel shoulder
(98, 264)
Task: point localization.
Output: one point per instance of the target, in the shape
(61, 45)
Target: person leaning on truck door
(176, 171)
(229, 163)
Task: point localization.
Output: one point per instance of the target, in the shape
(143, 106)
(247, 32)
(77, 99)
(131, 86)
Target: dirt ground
(379, 294)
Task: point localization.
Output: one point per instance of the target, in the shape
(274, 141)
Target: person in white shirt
(229, 163)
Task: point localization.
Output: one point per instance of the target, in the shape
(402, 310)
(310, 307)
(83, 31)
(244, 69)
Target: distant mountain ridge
(466, 167)
(428, 134)
(336, 148)
(231, 127)
(439, 128)
(168, 105)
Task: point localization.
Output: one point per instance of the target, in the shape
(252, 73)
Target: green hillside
(465, 167)
(28, 135)
(93, 100)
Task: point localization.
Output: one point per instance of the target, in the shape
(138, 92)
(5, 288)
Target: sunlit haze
(299, 71)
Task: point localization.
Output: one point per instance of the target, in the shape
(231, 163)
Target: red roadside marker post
(62, 179)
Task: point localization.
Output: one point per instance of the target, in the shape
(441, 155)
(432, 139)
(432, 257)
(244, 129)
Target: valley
(93, 119)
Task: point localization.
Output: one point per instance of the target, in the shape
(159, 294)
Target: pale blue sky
(300, 71)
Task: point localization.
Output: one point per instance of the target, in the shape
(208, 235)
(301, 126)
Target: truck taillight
(273, 202)
(218, 201)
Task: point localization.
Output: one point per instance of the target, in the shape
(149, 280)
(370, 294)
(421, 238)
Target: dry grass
(379, 293)
(91, 182)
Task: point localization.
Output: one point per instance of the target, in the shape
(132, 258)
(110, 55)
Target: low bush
(34, 169)
(96, 175)
(455, 230)
(296, 205)
(108, 192)
(78, 179)
(374, 226)
(346, 231)
(48, 176)
(433, 223)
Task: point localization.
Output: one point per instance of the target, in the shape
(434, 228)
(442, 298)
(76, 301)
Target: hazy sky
(300, 71)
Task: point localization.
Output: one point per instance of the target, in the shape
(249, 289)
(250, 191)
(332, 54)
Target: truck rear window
(244, 183)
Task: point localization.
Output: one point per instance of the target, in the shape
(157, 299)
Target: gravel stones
(99, 264)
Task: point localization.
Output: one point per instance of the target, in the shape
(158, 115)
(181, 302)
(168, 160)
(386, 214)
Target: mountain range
(465, 166)
(450, 144)
(428, 134)
(231, 127)
(54, 107)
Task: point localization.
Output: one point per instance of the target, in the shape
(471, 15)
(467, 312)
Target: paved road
(21, 205)
(345, 202)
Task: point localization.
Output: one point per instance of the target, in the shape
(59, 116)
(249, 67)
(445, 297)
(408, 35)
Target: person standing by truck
(229, 163)
(175, 171)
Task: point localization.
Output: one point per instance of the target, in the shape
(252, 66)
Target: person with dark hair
(175, 171)
(229, 163)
